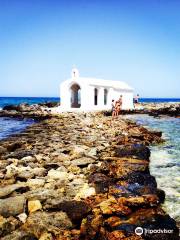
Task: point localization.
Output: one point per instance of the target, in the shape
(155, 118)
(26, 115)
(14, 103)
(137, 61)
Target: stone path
(80, 177)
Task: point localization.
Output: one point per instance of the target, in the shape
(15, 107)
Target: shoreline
(75, 167)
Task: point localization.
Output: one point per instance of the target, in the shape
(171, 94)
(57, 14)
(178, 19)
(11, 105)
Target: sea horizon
(35, 100)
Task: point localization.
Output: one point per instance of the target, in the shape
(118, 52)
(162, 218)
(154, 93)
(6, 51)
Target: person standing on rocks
(113, 109)
(136, 100)
(119, 105)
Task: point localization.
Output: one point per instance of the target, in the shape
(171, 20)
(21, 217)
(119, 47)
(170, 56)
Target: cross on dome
(74, 73)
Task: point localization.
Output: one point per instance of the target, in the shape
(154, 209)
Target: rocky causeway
(80, 176)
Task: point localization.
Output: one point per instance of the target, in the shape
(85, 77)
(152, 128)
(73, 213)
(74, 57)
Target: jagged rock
(47, 222)
(101, 182)
(76, 210)
(136, 150)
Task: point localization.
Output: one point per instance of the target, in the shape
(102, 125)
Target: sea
(13, 126)
(165, 158)
(10, 126)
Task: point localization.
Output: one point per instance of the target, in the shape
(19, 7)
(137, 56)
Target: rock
(7, 225)
(22, 217)
(24, 175)
(4, 191)
(92, 153)
(49, 104)
(39, 171)
(12, 206)
(46, 236)
(11, 107)
(142, 179)
(105, 206)
(13, 146)
(85, 192)
(76, 210)
(79, 150)
(81, 180)
(34, 205)
(101, 182)
(82, 162)
(35, 183)
(55, 174)
(19, 235)
(113, 221)
(19, 154)
(139, 151)
(2, 150)
(47, 222)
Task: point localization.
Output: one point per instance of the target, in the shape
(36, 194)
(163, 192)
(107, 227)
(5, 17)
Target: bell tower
(75, 73)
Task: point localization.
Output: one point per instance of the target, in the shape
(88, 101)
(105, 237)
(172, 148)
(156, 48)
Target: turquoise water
(165, 159)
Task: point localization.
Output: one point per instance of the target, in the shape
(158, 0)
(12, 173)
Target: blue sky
(135, 41)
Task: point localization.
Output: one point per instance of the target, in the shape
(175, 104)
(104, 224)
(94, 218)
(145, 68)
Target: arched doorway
(75, 96)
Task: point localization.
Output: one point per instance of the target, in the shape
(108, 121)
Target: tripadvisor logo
(139, 231)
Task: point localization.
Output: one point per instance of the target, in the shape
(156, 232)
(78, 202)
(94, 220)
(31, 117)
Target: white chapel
(89, 94)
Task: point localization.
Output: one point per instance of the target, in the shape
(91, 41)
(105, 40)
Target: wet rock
(76, 210)
(142, 179)
(161, 195)
(139, 151)
(112, 205)
(100, 181)
(49, 104)
(11, 107)
(12, 206)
